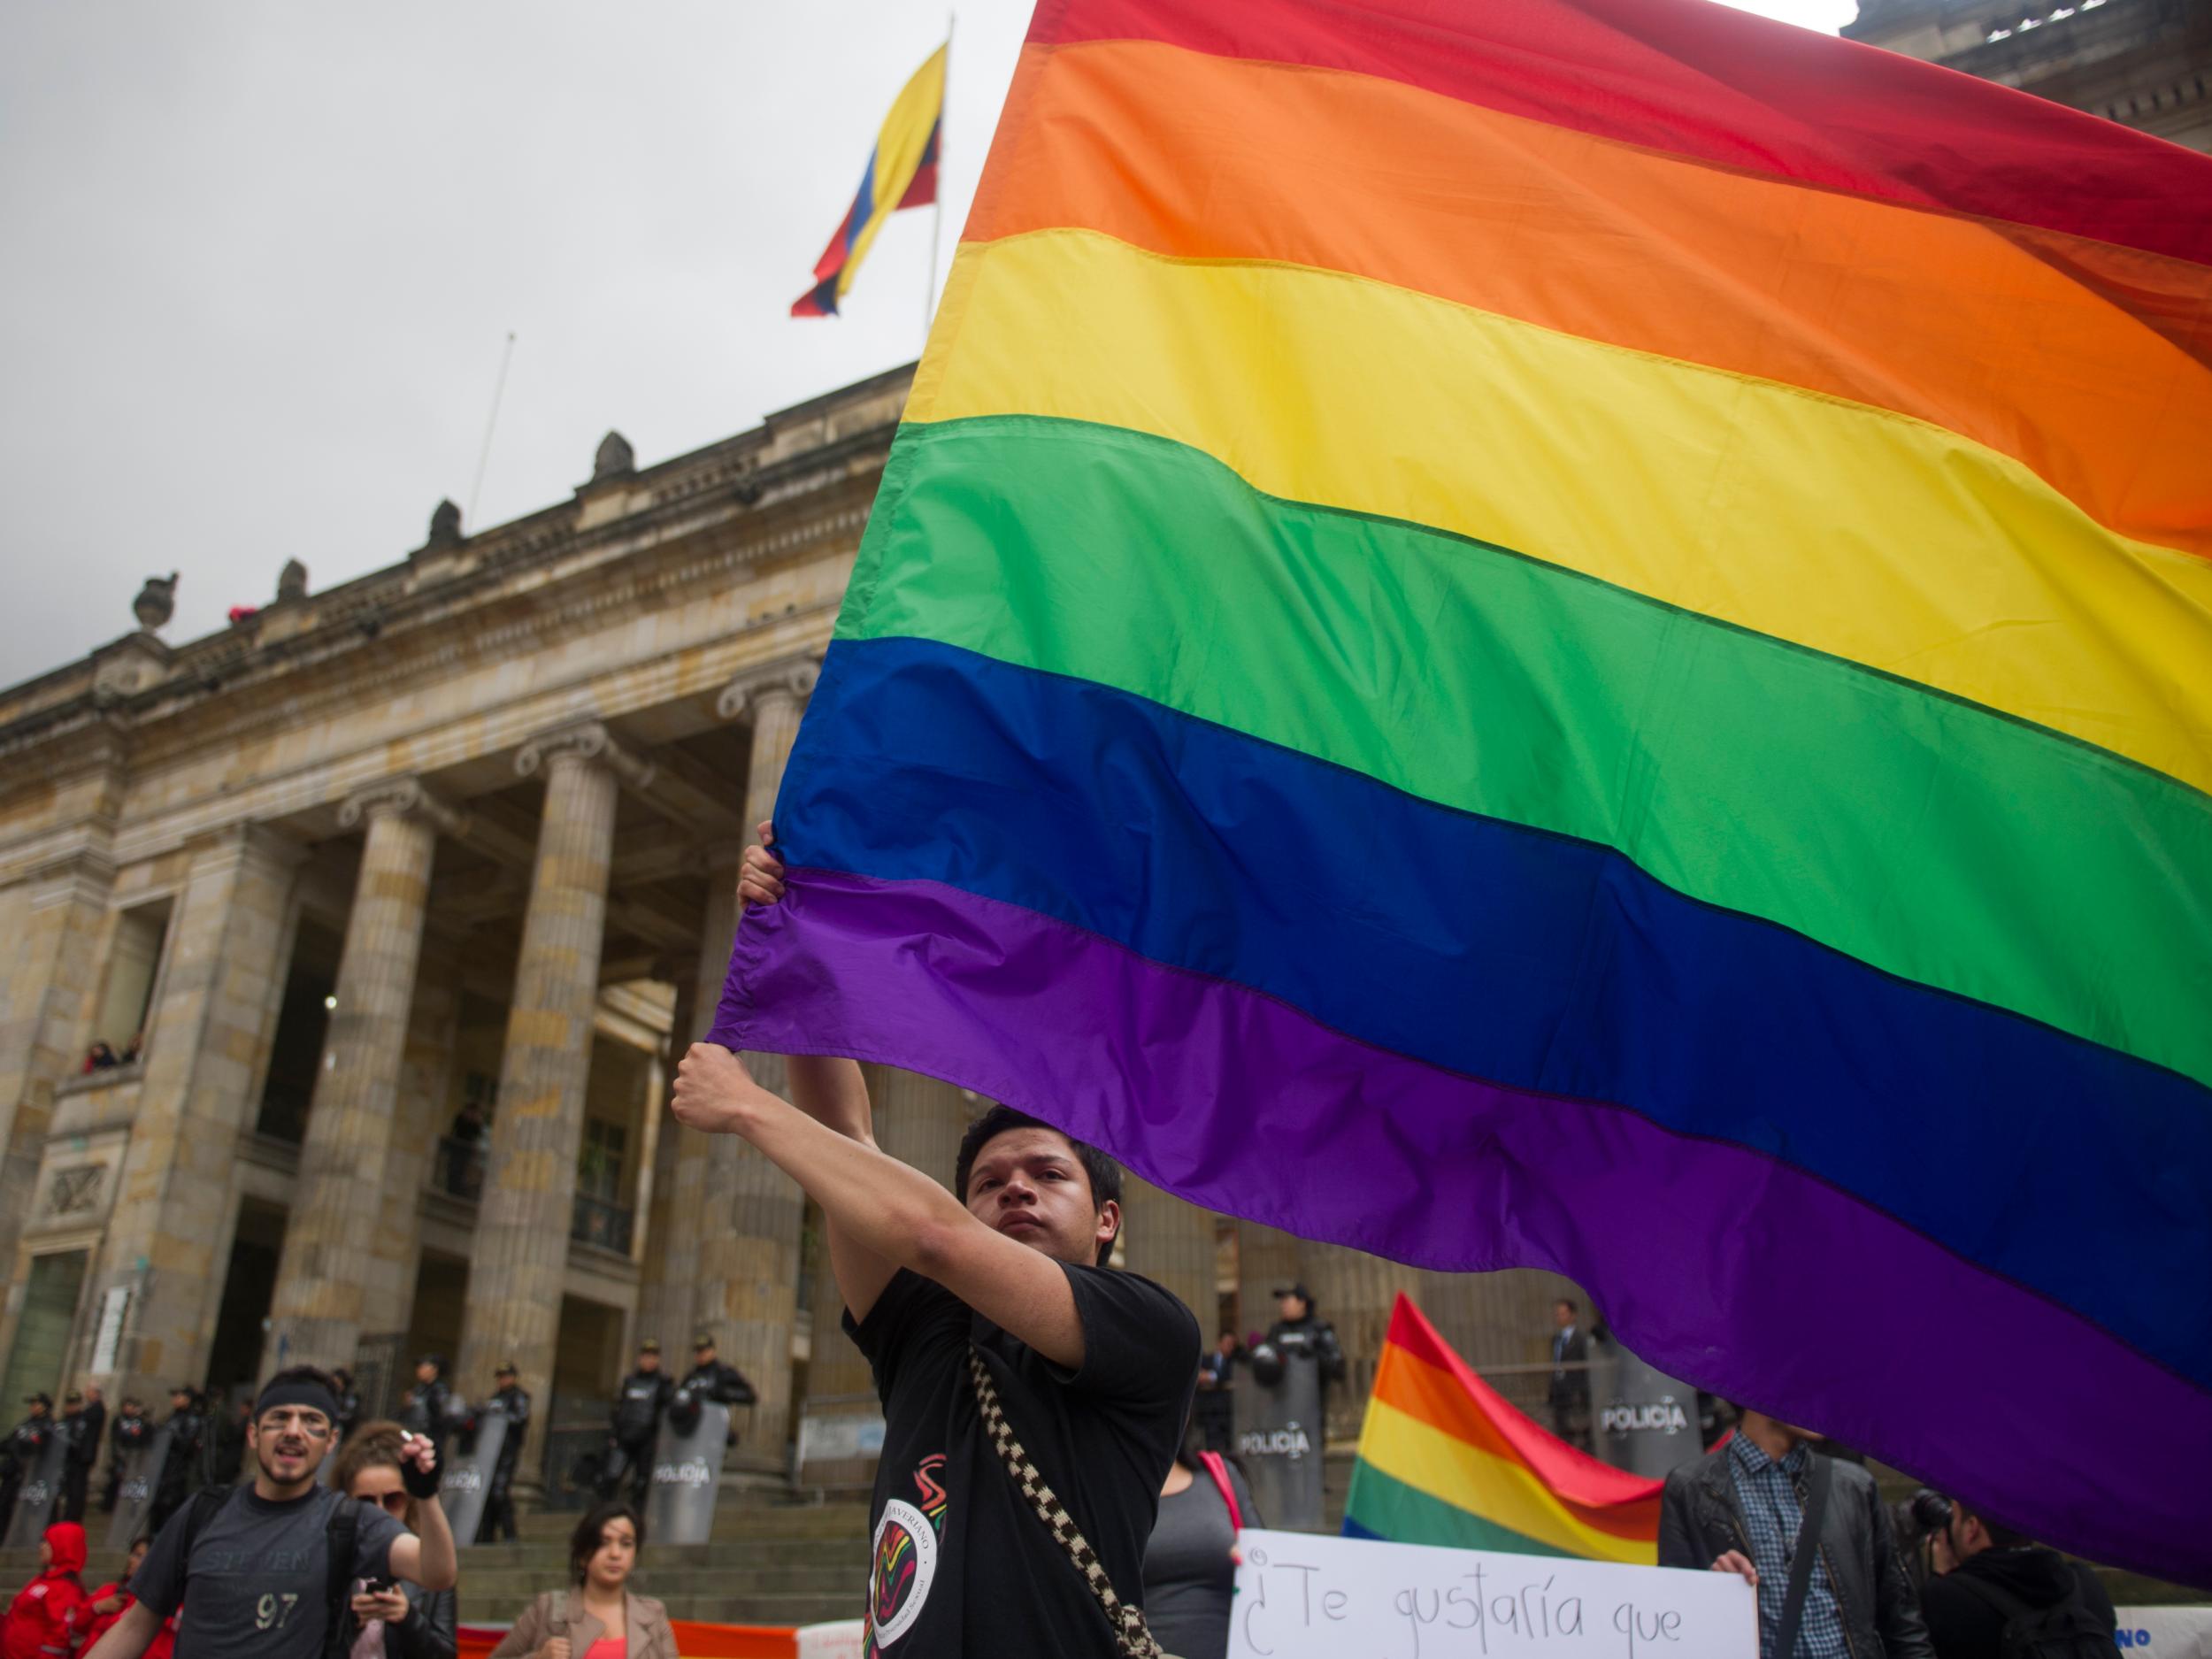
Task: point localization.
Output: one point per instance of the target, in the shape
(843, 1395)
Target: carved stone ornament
(445, 526)
(75, 1191)
(615, 458)
(400, 795)
(292, 581)
(795, 677)
(587, 740)
(156, 602)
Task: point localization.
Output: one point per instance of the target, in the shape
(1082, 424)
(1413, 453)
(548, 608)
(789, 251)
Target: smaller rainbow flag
(902, 172)
(1444, 1460)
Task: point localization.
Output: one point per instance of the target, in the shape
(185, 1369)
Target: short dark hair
(1101, 1171)
(583, 1543)
(1569, 1303)
(2000, 1536)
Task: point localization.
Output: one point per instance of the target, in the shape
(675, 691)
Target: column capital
(401, 797)
(587, 741)
(795, 677)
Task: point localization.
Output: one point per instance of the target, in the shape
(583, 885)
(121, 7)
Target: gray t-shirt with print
(257, 1585)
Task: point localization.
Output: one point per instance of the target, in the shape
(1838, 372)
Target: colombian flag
(1574, 634)
(1444, 1460)
(902, 172)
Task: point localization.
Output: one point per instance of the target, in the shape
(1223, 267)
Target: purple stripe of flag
(1851, 1322)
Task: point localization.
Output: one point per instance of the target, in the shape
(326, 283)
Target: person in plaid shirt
(1741, 1508)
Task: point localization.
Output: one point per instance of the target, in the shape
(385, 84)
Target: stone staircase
(766, 1564)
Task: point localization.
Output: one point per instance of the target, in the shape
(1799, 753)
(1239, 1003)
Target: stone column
(44, 1004)
(1172, 1243)
(1355, 1292)
(520, 1262)
(316, 1312)
(206, 1047)
(918, 1121)
(387, 1300)
(748, 1261)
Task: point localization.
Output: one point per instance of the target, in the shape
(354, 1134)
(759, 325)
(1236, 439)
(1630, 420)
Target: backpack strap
(1219, 1469)
(339, 1534)
(1131, 1638)
(1808, 1551)
(204, 1505)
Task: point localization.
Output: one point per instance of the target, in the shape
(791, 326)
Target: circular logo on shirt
(905, 1562)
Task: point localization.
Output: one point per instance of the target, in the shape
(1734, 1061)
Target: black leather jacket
(428, 1410)
(721, 1382)
(1700, 1521)
(514, 1400)
(430, 1631)
(1309, 1337)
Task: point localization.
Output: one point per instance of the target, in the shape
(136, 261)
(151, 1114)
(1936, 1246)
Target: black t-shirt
(961, 1564)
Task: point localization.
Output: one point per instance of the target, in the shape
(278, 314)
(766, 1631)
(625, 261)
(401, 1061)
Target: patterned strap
(1131, 1636)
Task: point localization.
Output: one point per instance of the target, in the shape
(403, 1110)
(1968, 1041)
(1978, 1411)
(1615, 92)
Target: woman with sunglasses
(396, 1621)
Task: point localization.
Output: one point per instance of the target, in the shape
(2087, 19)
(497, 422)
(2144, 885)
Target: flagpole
(937, 222)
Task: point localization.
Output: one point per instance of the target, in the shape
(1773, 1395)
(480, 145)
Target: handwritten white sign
(1305, 1597)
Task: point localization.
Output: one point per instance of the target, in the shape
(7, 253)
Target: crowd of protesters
(1010, 1358)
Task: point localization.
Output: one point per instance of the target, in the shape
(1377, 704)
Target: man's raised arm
(886, 1209)
(129, 1636)
(833, 1091)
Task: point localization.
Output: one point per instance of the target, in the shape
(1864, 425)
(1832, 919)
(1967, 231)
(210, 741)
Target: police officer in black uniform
(1299, 1335)
(511, 1399)
(25, 1443)
(180, 1464)
(710, 1377)
(349, 1403)
(634, 1421)
(131, 1430)
(426, 1409)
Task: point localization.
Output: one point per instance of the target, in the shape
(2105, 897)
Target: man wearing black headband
(267, 1568)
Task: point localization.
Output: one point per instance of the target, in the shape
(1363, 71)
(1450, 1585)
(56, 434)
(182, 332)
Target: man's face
(1561, 1315)
(71, 1407)
(1291, 1308)
(38, 1408)
(1227, 1346)
(703, 1355)
(288, 1443)
(425, 1371)
(179, 1401)
(649, 1362)
(1028, 1185)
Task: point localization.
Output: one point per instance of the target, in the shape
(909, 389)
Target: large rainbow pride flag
(1575, 633)
(1445, 1459)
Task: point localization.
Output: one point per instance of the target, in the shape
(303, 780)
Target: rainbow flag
(1443, 1459)
(902, 172)
(1575, 633)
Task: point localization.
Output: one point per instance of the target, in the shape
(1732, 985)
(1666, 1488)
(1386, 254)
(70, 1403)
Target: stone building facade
(2144, 63)
(453, 844)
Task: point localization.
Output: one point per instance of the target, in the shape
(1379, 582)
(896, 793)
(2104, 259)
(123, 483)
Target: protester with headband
(265, 1571)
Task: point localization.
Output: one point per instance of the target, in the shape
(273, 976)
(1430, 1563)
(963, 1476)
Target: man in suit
(1570, 1391)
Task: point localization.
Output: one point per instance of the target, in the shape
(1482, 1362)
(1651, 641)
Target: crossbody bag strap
(1808, 1552)
(1219, 1468)
(1130, 1636)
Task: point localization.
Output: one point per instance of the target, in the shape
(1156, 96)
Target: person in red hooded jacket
(51, 1615)
(110, 1602)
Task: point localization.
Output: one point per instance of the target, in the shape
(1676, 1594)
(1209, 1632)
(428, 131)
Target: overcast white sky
(258, 260)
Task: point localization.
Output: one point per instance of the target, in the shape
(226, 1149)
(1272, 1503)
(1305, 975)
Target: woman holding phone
(392, 1620)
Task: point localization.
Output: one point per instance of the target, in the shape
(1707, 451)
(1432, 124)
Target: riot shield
(134, 1492)
(1646, 1422)
(464, 1484)
(687, 1476)
(38, 1498)
(1279, 1438)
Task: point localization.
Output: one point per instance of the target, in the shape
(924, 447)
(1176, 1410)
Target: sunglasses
(391, 1502)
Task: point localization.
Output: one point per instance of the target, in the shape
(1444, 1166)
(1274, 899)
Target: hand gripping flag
(1575, 633)
(1445, 1459)
(902, 172)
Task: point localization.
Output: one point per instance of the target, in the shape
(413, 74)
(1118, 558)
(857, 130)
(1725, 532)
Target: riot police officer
(512, 1402)
(131, 1430)
(181, 1465)
(426, 1409)
(634, 1421)
(22, 1453)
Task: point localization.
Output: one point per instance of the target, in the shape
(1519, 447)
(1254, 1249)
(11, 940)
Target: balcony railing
(597, 1222)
